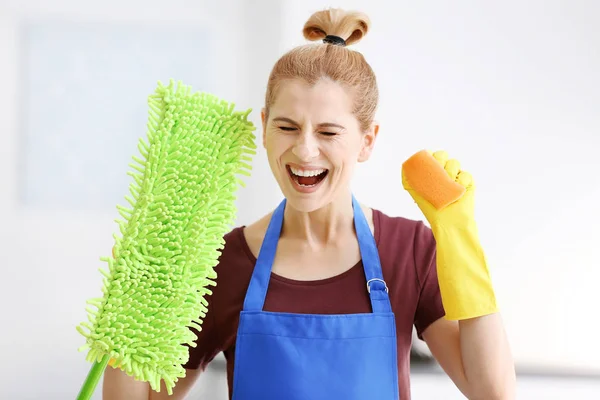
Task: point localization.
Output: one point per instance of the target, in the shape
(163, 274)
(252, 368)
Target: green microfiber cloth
(181, 206)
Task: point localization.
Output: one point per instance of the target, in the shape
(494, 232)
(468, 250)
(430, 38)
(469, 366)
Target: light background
(511, 89)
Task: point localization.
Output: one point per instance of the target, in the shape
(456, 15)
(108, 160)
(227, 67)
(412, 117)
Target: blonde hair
(338, 63)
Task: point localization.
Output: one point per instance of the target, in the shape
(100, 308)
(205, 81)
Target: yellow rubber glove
(463, 273)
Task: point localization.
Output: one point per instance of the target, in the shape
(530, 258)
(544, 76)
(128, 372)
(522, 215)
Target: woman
(317, 300)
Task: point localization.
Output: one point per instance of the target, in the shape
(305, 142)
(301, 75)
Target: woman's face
(313, 142)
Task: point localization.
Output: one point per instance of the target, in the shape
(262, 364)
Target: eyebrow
(322, 125)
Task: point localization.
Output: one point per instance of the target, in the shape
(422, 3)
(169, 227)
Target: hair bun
(351, 26)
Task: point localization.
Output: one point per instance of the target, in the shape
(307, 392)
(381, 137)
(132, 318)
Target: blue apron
(287, 356)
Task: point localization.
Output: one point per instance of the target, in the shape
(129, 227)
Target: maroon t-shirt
(407, 254)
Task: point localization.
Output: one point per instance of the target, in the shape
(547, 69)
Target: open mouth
(307, 178)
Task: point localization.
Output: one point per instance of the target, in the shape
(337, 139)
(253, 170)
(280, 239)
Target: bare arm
(476, 355)
(118, 385)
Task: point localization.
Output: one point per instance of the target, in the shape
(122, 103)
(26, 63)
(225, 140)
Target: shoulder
(240, 248)
(232, 242)
(254, 234)
(234, 253)
(397, 228)
(233, 272)
(405, 244)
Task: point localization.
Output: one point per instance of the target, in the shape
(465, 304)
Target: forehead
(325, 100)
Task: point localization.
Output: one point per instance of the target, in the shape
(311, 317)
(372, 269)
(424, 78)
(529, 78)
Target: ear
(368, 143)
(263, 117)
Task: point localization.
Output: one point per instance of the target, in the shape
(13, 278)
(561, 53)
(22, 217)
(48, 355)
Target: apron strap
(376, 286)
(261, 276)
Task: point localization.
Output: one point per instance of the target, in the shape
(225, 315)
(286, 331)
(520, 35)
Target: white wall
(51, 241)
(510, 88)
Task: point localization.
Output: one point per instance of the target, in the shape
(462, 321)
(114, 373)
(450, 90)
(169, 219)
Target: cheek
(276, 145)
(344, 152)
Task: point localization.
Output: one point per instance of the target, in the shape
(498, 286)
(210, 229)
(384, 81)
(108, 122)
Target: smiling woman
(305, 178)
(313, 137)
(318, 299)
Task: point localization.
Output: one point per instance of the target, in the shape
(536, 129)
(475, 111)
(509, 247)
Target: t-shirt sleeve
(429, 307)
(219, 325)
(207, 345)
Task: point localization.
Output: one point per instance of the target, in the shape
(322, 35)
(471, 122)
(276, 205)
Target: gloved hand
(448, 206)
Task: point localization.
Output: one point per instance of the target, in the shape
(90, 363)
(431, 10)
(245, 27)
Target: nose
(306, 147)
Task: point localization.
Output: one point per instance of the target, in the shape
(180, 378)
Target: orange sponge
(430, 180)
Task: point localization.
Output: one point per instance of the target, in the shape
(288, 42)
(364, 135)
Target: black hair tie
(336, 40)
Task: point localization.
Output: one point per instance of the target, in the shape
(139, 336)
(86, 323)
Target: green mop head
(182, 204)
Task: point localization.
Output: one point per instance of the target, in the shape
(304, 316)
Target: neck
(321, 226)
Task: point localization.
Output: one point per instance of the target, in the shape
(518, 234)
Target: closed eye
(290, 129)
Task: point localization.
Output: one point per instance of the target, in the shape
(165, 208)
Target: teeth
(301, 172)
